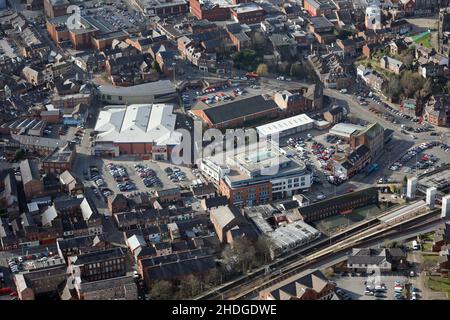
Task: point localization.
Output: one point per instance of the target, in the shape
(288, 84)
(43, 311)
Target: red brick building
(248, 14)
(208, 10)
(316, 8)
(238, 112)
(262, 192)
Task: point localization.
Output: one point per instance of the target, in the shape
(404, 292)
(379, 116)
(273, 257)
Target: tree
(262, 250)
(190, 287)
(392, 188)
(284, 67)
(155, 65)
(258, 40)
(296, 70)
(411, 82)
(241, 256)
(426, 90)
(20, 153)
(393, 88)
(162, 290)
(262, 70)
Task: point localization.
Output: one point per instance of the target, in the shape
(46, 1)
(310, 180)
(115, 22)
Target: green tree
(162, 290)
(296, 70)
(392, 188)
(20, 153)
(155, 66)
(262, 70)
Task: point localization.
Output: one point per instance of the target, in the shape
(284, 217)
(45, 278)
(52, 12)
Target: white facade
(286, 126)
(373, 17)
(431, 197)
(445, 213)
(411, 187)
(213, 171)
(287, 185)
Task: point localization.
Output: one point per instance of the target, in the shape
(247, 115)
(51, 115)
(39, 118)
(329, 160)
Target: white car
(321, 196)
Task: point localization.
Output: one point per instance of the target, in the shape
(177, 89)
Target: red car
(6, 290)
(350, 190)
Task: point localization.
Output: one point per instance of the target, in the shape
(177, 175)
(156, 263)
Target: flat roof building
(345, 130)
(286, 126)
(162, 91)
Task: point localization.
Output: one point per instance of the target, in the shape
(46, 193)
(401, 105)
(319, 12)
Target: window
(120, 98)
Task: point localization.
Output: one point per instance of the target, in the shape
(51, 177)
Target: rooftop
(138, 123)
(284, 124)
(239, 108)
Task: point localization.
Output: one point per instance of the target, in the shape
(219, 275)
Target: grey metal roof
(239, 108)
(155, 88)
(29, 171)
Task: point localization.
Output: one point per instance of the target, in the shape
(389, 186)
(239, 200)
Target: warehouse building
(286, 126)
(138, 129)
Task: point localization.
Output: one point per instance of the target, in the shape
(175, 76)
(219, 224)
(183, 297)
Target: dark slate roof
(154, 261)
(336, 110)
(162, 245)
(315, 281)
(337, 201)
(180, 246)
(204, 190)
(99, 256)
(291, 204)
(216, 201)
(64, 203)
(239, 108)
(245, 230)
(234, 27)
(181, 268)
(77, 242)
(321, 22)
(360, 152)
(368, 256)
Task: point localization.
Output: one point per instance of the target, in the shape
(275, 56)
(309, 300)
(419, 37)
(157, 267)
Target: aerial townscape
(224, 150)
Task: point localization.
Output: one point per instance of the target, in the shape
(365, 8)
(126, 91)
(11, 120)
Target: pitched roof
(216, 201)
(223, 216)
(29, 171)
(239, 108)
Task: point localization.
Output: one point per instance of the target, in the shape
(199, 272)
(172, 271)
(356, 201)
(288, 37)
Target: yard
(423, 39)
(426, 246)
(440, 284)
(374, 64)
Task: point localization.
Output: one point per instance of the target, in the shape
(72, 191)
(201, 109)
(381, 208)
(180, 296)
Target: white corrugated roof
(138, 123)
(284, 124)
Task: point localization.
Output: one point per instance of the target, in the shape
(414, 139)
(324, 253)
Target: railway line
(294, 262)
